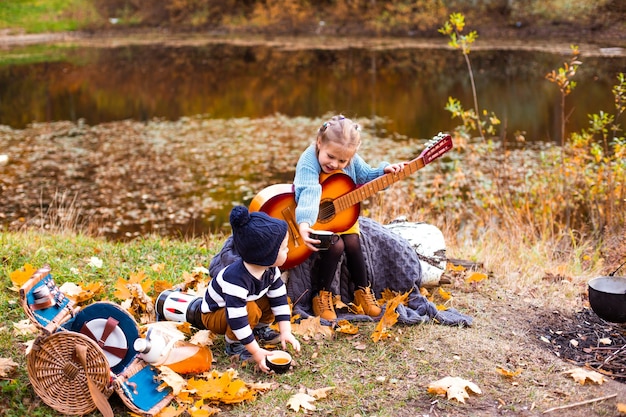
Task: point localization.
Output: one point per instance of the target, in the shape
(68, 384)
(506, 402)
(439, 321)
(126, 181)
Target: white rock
(429, 244)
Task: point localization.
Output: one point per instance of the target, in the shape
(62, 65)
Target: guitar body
(279, 201)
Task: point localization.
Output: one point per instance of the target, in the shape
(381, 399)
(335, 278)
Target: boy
(248, 295)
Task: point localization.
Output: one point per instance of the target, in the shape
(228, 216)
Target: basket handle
(98, 397)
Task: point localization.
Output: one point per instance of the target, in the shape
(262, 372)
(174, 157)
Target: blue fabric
(141, 389)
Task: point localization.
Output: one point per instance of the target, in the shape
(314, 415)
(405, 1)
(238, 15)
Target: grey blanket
(391, 263)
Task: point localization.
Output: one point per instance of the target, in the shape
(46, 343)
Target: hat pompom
(239, 216)
(257, 236)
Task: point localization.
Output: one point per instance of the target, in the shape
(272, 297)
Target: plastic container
(180, 356)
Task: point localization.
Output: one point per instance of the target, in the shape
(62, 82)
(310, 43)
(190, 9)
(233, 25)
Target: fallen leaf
(312, 328)
(507, 373)
(582, 375)
(20, 276)
(224, 387)
(389, 318)
(344, 326)
(7, 366)
(301, 400)
(456, 268)
(24, 328)
(445, 295)
(172, 379)
(320, 392)
(454, 387)
(621, 407)
(158, 267)
(95, 262)
(476, 277)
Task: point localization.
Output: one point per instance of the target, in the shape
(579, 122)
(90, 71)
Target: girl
(335, 148)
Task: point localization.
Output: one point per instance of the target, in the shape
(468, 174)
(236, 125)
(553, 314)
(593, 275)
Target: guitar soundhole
(327, 211)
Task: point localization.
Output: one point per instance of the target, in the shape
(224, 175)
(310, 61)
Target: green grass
(37, 16)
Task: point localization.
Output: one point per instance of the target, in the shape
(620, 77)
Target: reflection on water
(408, 86)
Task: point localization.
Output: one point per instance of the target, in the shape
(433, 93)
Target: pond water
(407, 86)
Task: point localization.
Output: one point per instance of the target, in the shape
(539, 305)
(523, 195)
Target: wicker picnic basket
(85, 354)
(58, 376)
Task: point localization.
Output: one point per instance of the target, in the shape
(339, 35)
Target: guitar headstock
(436, 147)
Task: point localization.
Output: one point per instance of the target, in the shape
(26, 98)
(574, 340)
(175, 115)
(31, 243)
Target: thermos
(179, 355)
(181, 307)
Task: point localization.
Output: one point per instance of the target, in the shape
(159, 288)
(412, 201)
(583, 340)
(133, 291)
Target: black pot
(607, 297)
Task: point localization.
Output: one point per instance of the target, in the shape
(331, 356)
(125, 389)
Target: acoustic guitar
(339, 205)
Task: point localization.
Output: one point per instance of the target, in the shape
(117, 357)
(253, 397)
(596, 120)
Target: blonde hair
(340, 130)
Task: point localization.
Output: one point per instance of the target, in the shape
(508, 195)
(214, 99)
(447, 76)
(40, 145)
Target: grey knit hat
(256, 235)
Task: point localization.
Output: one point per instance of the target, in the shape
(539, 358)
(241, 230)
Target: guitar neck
(370, 188)
(438, 146)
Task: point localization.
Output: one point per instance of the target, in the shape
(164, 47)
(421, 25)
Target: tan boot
(366, 299)
(323, 306)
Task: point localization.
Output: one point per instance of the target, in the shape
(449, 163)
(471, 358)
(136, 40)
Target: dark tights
(329, 260)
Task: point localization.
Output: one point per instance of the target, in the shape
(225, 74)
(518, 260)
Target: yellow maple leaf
(387, 295)
(20, 276)
(389, 318)
(582, 375)
(445, 295)
(621, 407)
(453, 387)
(223, 387)
(124, 287)
(301, 400)
(344, 326)
(7, 366)
(476, 277)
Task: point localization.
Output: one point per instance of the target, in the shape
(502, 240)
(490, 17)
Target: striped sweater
(234, 286)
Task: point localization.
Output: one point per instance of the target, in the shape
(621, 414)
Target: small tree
(471, 118)
(562, 77)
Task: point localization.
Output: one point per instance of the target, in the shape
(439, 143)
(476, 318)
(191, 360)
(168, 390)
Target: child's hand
(259, 357)
(305, 233)
(289, 337)
(395, 167)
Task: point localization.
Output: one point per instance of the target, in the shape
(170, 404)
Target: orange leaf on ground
(344, 326)
(389, 318)
(507, 373)
(20, 276)
(476, 277)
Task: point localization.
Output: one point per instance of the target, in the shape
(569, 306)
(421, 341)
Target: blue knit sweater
(307, 182)
(234, 286)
